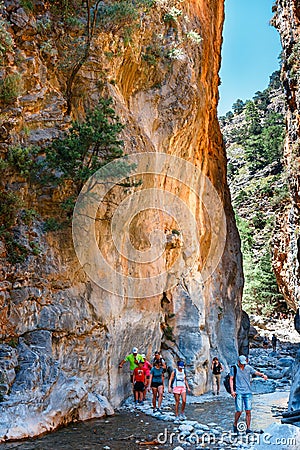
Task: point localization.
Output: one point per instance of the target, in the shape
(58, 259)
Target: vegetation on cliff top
(254, 134)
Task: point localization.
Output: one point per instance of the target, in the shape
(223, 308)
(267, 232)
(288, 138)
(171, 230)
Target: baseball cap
(180, 364)
(143, 355)
(134, 350)
(157, 353)
(242, 359)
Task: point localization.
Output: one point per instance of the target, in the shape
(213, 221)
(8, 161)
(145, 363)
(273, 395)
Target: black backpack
(226, 380)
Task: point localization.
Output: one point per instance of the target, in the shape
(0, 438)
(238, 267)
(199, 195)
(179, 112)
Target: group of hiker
(145, 375)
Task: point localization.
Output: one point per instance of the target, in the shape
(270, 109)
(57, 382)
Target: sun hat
(180, 364)
(134, 350)
(242, 359)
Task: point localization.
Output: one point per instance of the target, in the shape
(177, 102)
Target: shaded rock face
(70, 333)
(243, 336)
(286, 245)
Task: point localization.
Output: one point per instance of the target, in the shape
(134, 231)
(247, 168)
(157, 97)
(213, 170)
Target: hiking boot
(159, 410)
(155, 409)
(182, 417)
(235, 429)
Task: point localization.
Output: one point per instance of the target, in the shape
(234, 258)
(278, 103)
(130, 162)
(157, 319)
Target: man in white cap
(241, 390)
(133, 359)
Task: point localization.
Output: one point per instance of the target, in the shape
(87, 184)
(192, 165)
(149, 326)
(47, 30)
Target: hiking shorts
(155, 384)
(139, 386)
(179, 389)
(243, 401)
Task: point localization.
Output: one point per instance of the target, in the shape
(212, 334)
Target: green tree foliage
(252, 119)
(87, 146)
(275, 82)
(261, 99)
(263, 138)
(259, 190)
(229, 115)
(11, 86)
(10, 204)
(73, 158)
(261, 294)
(238, 106)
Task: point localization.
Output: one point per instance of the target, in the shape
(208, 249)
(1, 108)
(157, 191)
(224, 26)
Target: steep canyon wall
(287, 241)
(63, 334)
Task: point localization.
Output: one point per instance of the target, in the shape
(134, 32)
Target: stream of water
(127, 430)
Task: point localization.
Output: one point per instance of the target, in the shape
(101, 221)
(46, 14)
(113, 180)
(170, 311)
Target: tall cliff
(287, 244)
(286, 247)
(63, 334)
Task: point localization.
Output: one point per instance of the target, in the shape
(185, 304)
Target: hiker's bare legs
(177, 400)
(160, 395)
(236, 417)
(248, 419)
(154, 395)
(183, 397)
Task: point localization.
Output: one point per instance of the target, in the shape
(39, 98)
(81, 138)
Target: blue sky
(250, 50)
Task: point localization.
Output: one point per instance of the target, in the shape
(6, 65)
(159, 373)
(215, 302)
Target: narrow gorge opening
(253, 127)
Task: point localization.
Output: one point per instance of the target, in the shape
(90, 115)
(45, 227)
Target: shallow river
(125, 430)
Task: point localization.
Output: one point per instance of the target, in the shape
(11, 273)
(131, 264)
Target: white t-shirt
(179, 377)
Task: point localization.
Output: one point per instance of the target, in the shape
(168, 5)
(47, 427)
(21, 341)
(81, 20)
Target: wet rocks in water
(286, 362)
(260, 386)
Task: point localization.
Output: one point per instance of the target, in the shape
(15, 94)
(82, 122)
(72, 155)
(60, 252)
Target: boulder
(260, 386)
(286, 362)
(273, 374)
(243, 335)
(287, 372)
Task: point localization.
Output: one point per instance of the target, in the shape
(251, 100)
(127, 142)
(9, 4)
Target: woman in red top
(147, 367)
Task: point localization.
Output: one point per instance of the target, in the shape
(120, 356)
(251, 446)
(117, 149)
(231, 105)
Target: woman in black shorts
(157, 384)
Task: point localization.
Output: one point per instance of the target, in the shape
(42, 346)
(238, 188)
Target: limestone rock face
(70, 333)
(287, 244)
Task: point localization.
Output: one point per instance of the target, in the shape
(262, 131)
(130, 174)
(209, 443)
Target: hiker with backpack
(179, 384)
(240, 389)
(158, 358)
